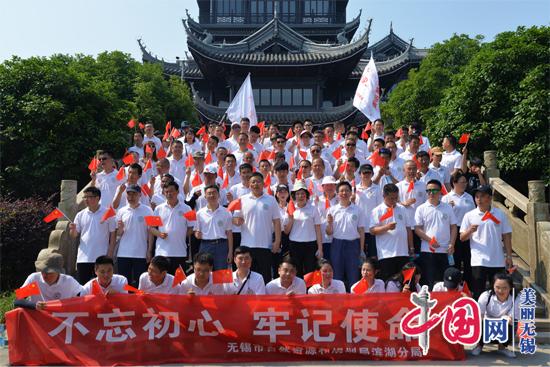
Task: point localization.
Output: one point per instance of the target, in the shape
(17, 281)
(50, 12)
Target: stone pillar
(537, 211)
(67, 201)
(490, 163)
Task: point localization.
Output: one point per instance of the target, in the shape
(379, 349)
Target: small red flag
(168, 126)
(128, 159)
(225, 183)
(250, 146)
(153, 220)
(121, 174)
(490, 216)
(55, 214)
(96, 288)
(300, 173)
(179, 277)
(141, 126)
(420, 140)
(327, 202)
(464, 138)
(131, 124)
(432, 242)
(175, 133)
(148, 149)
(399, 133)
(146, 189)
(202, 130)
(415, 159)
(291, 208)
(205, 138)
(222, 276)
(310, 187)
(343, 167)
(408, 274)
(364, 135)
(189, 161)
(339, 136)
(444, 190)
(31, 289)
(291, 163)
(220, 172)
(313, 278)
(264, 155)
(337, 153)
(161, 153)
(387, 215)
(361, 287)
(272, 155)
(512, 269)
(129, 288)
(191, 215)
(466, 289)
(108, 214)
(411, 186)
(376, 159)
(261, 125)
(289, 134)
(303, 154)
(234, 205)
(368, 127)
(196, 180)
(208, 158)
(148, 166)
(94, 163)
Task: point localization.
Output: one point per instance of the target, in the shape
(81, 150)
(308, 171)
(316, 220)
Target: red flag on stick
(196, 180)
(327, 202)
(387, 215)
(234, 205)
(121, 174)
(376, 159)
(464, 138)
(490, 216)
(337, 154)
(131, 124)
(146, 190)
(313, 278)
(128, 159)
(141, 126)
(191, 215)
(148, 166)
(361, 287)
(175, 133)
(108, 214)
(179, 277)
(189, 161)
(31, 289)
(148, 149)
(222, 276)
(161, 153)
(153, 220)
(55, 214)
(96, 288)
(129, 288)
(291, 208)
(94, 163)
(408, 274)
(289, 134)
(399, 133)
(411, 186)
(432, 242)
(202, 130)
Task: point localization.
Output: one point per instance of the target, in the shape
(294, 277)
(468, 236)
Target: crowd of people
(369, 209)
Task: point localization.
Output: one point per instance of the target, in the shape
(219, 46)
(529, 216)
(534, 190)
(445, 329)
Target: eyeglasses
(308, 125)
(280, 141)
(103, 158)
(432, 191)
(350, 145)
(236, 127)
(366, 173)
(315, 151)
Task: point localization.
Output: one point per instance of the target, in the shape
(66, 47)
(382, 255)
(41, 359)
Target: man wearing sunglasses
(106, 179)
(436, 225)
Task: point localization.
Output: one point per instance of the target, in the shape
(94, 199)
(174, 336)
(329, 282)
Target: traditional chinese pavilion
(305, 59)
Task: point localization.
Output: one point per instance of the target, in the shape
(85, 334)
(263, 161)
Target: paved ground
(487, 358)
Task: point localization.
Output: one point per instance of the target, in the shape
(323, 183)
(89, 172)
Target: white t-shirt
(321, 207)
(133, 242)
(368, 198)
(443, 171)
(210, 288)
(175, 224)
(298, 286)
(347, 221)
(462, 204)
(143, 199)
(65, 287)
(396, 287)
(117, 284)
(436, 222)
(452, 160)
(431, 175)
(336, 286)
(107, 184)
(377, 287)
(213, 224)
(238, 191)
(486, 243)
(259, 214)
(440, 287)
(177, 169)
(396, 166)
(493, 308)
(418, 192)
(395, 242)
(305, 220)
(146, 285)
(254, 285)
(94, 235)
(154, 139)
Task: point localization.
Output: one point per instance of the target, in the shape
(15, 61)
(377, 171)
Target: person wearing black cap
(488, 230)
(474, 175)
(452, 281)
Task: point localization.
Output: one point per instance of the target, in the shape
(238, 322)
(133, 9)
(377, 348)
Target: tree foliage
(56, 112)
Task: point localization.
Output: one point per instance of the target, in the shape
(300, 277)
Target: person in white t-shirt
(368, 273)
(97, 236)
(245, 281)
(435, 224)
(171, 236)
(51, 281)
(109, 282)
(452, 159)
(157, 279)
(105, 180)
(133, 178)
(398, 284)
(200, 282)
(490, 236)
(328, 284)
(346, 222)
(452, 281)
(287, 283)
(367, 197)
(150, 136)
(135, 246)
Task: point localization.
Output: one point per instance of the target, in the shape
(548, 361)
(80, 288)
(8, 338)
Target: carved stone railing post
(538, 211)
(490, 163)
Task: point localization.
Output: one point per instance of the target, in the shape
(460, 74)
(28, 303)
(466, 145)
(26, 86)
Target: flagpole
(513, 321)
(64, 215)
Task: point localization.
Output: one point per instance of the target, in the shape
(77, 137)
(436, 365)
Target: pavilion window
(265, 97)
(276, 97)
(297, 97)
(287, 97)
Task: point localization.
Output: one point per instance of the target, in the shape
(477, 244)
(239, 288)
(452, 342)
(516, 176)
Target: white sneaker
(476, 351)
(507, 353)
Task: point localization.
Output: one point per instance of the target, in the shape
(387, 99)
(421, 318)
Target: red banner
(157, 329)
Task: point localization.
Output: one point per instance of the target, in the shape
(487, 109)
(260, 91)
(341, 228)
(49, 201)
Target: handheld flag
(411, 186)
(343, 167)
(361, 287)
(432, 242)
(313, 278)
(94, 163)
(222, 276)
(376, 159)
(189, 161)
(131, 124)
(387, 215)
(234, 205)
(161, 153)
(191, 215)
(364, 133)
(368, 127)
(291, 208)
(148, 166)
(128, 159)
(129, 288)
(289, 133)
(399, 133)
(108, 214)
(96, 288)
(196, 180)
(121, 174)
(327, 202)
(31, 289)
(208, 158)
(153, 221)
(148, 149)
(444, 190)
(242, 104)
(175, 133)
(179, 276)
(141, 126)
(490, 216)
(146, 190)
(464, 138)
(55, 214)
(408, 274)
(202, 130)
(337, 153)
(367, 95)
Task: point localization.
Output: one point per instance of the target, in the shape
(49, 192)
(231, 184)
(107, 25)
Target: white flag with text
(367, 95)
(242, 104)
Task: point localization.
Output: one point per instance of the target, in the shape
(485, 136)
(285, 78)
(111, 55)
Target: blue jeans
(218, 249)
(345, 258)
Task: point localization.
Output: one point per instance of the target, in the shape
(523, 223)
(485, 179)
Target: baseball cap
(133, 188)
(437, 151)
(451, 278)
(198, 154)
(299, 185)
(484, 189)
(184, 124)
(281, 187)
(211, 168)
(328, 180)
(49, 262)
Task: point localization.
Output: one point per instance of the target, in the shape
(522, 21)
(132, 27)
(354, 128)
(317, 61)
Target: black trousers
(132, 268)
(303, 254)
(175, 262)
(85, 272)
(480, 276)
(370, 247)
(462, 256)
(262, 259)
(391, 266)
(433, 267)
(277, 258)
